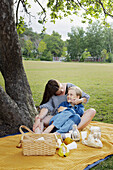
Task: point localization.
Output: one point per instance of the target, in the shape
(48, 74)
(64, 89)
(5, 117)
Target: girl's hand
(61, 108)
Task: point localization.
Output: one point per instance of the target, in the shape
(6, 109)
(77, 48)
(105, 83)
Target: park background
(94, 78)
(91, 44)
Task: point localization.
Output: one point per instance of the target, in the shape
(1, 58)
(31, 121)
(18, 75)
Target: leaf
(40, 21)
(83, 21)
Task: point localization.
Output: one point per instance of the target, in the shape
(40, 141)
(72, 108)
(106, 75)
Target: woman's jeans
(65, 120)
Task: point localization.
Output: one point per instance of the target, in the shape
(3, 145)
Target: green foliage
(95, 38)
(33, 39)
(28, 47)
(90, 9)
(68, 59)
(104, 55)
(85, 55)
(27, 4)
(54, 44)
(47, 57)
(33, 36)
(59, 9)
(20, 26)
(64, 51)
(75, 44)
(110, 59)
(42, 46)
(108, 34)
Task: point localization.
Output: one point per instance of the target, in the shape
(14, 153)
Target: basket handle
(23, 134)
(25, 127)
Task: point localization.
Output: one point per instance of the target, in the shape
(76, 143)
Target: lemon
(68, 140)
(63, 150)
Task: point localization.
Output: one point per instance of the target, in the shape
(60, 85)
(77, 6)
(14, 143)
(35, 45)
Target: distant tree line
(41, 46)
(93, 44)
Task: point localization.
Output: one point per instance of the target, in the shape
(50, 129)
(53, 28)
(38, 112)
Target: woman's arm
(85, 96)
(81, 100)
(45, 108)
(39, 118)
(42, 114)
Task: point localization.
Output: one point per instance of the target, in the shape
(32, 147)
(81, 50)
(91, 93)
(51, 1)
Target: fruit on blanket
(68, 140)
(63, 150)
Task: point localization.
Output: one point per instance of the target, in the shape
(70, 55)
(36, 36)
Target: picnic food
(68, 140)
(75, 133)
(63, 151)
(93, 139)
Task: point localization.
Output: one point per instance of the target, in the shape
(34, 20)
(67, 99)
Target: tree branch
(105, 12)
(42, 9)
(81, 5)
(17, 12)
(25, 8)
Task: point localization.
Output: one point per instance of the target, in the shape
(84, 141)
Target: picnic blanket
(12, 158)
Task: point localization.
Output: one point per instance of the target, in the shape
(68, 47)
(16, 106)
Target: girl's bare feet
(37, 130)
(57, 133)
(49, 129)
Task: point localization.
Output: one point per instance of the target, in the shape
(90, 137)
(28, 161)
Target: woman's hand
(77, 101)
(36, 124)
(39, 118)
(61, 108)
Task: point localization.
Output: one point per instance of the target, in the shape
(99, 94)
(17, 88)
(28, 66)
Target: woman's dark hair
(51, 88)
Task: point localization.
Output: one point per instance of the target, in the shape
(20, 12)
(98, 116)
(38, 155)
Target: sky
(63, 27)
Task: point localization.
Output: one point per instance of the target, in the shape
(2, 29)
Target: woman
(54, 94)
(63, 121)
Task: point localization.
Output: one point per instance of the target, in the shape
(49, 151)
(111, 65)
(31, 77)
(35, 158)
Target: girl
(65, 120)
(54, 94)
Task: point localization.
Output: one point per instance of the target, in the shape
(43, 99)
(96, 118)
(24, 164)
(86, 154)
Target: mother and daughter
(61, 107)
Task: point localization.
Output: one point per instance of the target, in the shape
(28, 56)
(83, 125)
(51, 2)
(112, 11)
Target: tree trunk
(16, 102)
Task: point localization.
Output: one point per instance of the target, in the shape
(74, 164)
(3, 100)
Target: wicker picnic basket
(32, 146)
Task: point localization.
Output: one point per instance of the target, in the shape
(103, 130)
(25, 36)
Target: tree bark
(16, 102)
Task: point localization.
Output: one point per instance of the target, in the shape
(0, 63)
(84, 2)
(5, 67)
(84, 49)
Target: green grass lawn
(94, 79)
